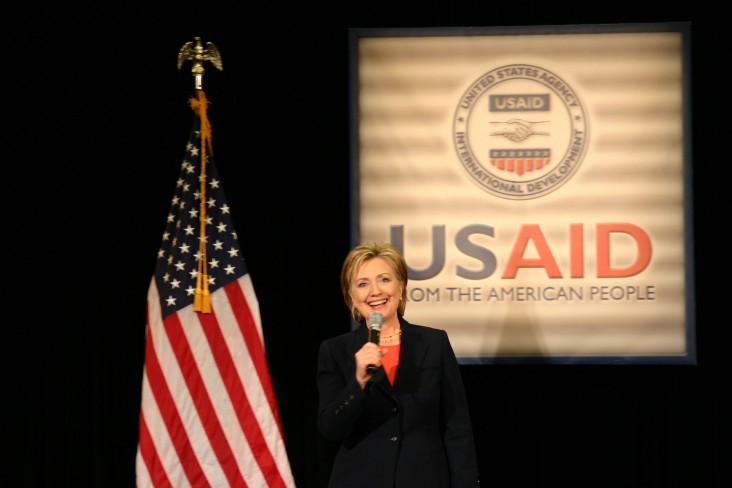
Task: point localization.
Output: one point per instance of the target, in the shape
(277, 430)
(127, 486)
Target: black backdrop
(96, 118)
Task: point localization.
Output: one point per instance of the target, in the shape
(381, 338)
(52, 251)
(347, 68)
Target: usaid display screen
(537, 180)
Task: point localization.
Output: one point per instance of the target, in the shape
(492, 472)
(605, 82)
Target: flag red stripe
(248, 419)
(201, 400)
(254, 342)
(173, 423)
(245, 414)
(154, 465)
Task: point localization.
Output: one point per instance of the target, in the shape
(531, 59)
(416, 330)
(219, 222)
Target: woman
(407, 424)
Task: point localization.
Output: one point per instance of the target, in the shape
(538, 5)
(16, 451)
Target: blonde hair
(366, 252)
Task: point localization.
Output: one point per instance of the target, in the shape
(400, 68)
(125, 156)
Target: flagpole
(198, 55)
(208, 414)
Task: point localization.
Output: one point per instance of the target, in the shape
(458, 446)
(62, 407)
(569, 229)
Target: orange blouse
(390, 361)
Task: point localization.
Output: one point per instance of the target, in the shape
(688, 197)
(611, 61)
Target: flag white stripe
(184, 404)
(142, 475)
(245, 283)
(209, 374)
(264, 412)
(222, 403)
(252, 384)
(161, 441)
(146, 412)
(241, 360)
(150, 412)
(267, 420)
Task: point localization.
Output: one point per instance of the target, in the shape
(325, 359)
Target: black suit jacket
(415, 434)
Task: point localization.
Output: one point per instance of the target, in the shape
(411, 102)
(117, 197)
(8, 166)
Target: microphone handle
(373, 337)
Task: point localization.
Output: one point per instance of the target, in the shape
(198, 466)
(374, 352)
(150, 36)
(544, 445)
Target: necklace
(394, 338)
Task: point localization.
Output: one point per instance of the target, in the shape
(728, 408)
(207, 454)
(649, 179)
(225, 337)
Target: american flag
(208, 414)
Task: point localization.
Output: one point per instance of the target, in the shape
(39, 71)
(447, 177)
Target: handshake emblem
(517, 130)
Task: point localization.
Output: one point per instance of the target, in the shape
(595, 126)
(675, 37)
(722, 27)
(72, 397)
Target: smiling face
(375, 288)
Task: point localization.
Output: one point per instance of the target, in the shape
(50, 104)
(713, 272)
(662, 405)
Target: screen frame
(684, 28)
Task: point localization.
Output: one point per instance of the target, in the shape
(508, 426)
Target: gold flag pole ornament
(199, 104)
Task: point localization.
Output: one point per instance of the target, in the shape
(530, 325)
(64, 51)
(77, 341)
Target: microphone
(375, 322)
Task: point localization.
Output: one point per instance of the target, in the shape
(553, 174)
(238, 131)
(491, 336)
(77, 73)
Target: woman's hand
(369, 354)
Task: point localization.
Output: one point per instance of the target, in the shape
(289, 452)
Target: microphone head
(376, 320)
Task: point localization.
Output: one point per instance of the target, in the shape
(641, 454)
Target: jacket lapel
(410, 357)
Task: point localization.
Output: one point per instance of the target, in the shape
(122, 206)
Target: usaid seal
(520, 132)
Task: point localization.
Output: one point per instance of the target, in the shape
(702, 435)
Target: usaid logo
(520, 132)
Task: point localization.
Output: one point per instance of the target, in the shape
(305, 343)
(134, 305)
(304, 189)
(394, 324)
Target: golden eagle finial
(198, 55)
